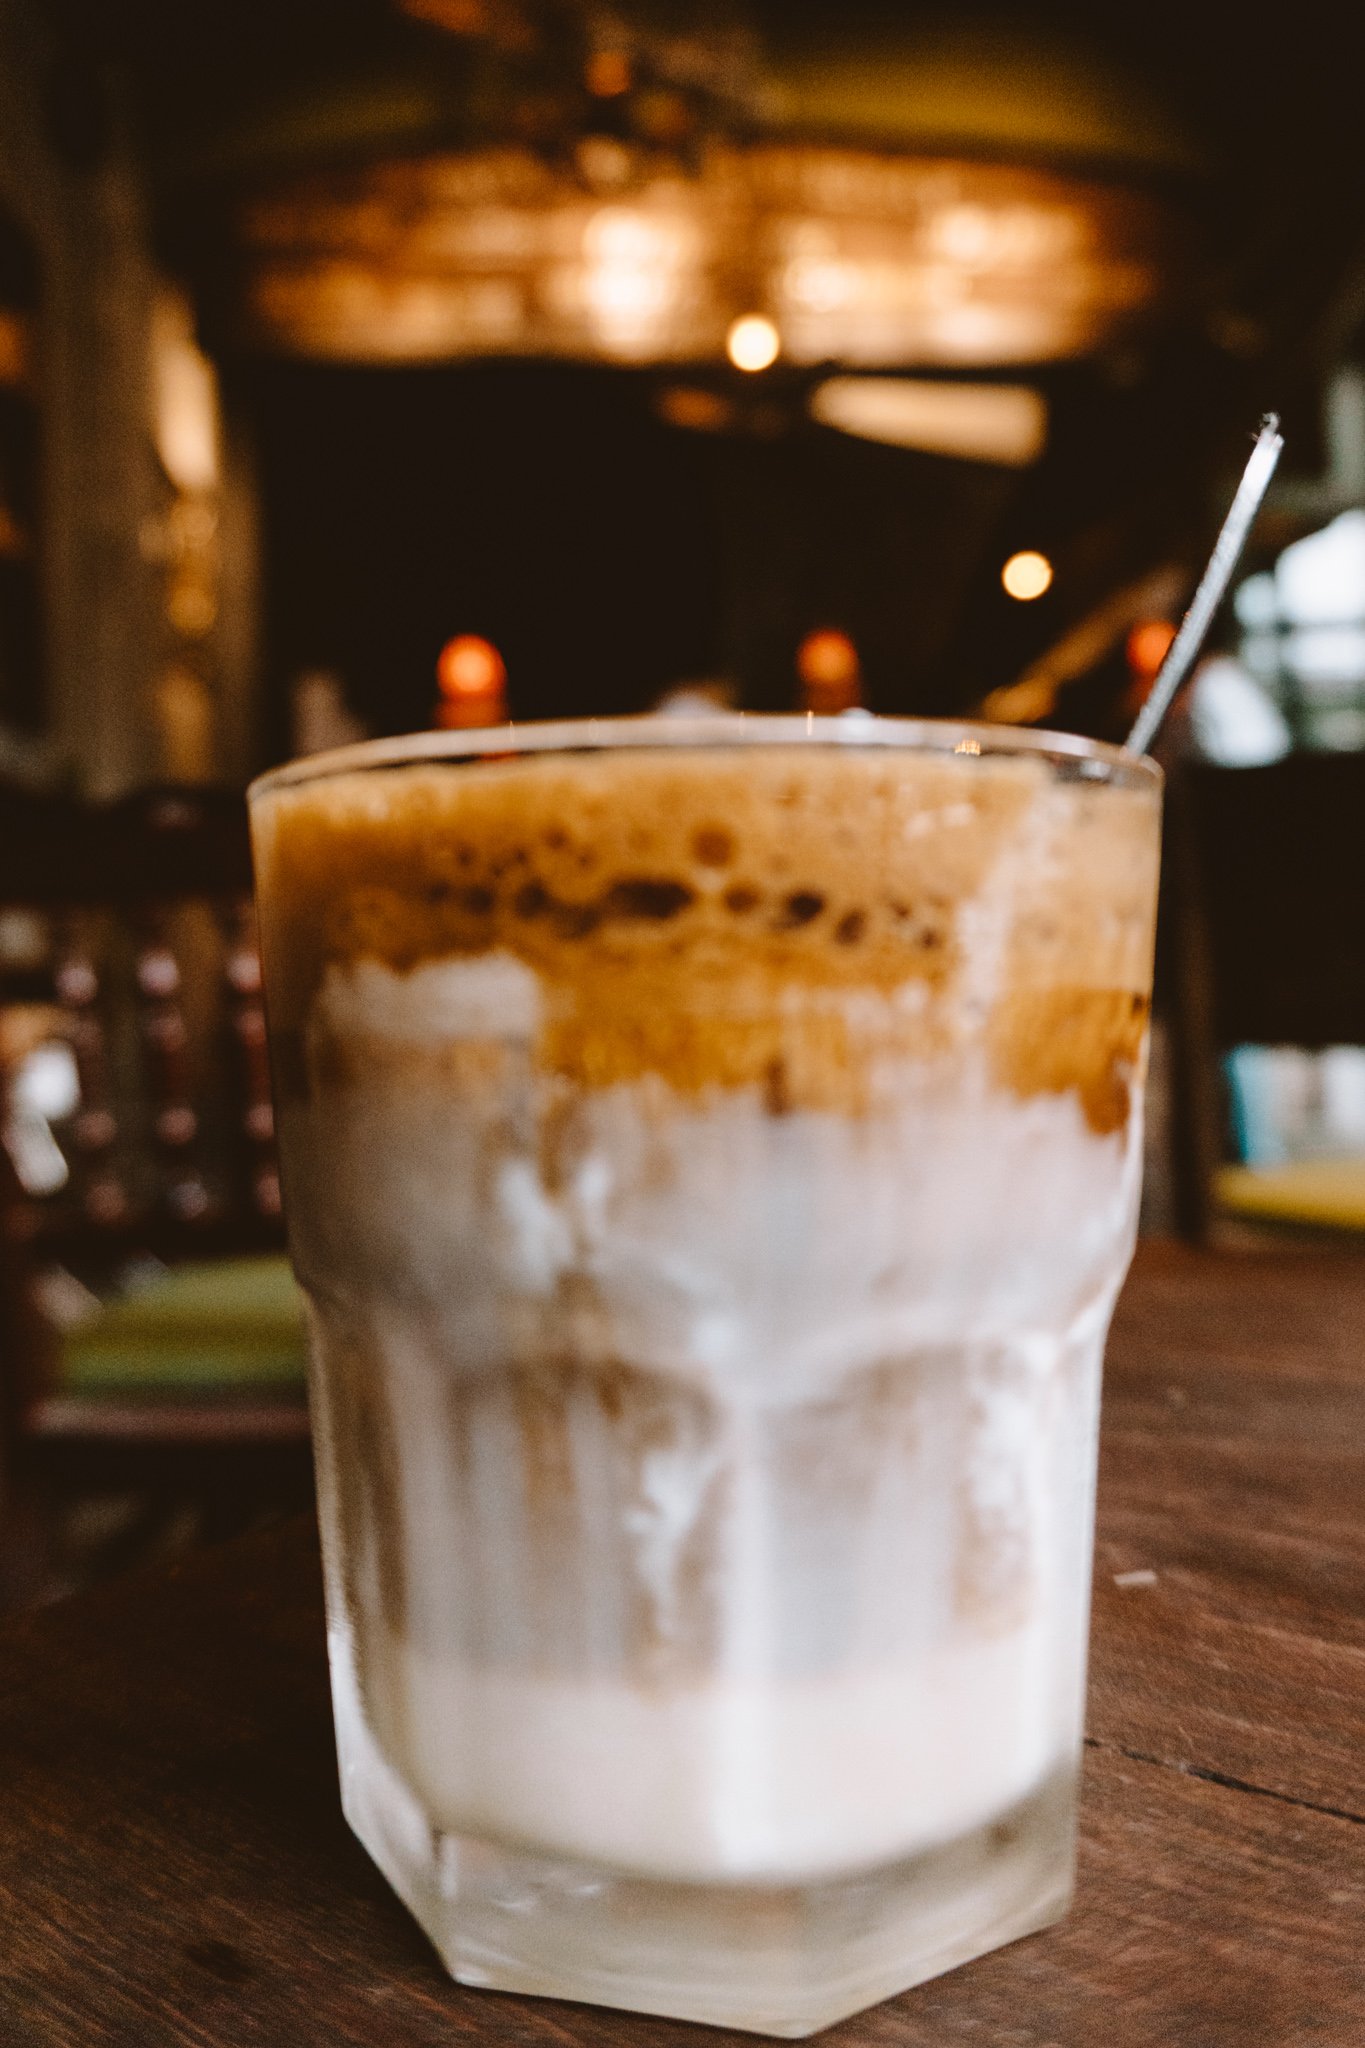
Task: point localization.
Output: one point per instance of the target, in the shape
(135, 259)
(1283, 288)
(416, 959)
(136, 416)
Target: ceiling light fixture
(618, 193)
(1004, 424)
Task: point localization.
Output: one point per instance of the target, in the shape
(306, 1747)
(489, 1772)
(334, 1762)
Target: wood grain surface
(174, 1868)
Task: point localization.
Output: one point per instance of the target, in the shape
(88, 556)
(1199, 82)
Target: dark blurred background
(373, 364)
(397, 442)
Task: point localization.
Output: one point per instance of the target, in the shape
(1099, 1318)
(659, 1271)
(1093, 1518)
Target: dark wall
(607, 555)
(540, 508)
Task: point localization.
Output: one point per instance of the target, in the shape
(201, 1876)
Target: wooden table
(174, 1867)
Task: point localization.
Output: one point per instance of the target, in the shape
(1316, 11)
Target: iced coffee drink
(711, 1159)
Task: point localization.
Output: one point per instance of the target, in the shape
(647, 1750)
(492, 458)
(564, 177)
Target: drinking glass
(711, 1156)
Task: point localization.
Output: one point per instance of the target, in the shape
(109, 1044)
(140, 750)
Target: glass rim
(1096, 760)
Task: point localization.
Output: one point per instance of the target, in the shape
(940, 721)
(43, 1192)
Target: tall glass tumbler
(711, 1155)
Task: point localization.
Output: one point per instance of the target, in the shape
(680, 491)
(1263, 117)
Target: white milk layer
(707, 1493)
(797, 1778)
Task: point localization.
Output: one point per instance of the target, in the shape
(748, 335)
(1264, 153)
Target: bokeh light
(829, 670)
(1148, 645)
(1027, 575)
(472, 678)
(753, 342)
(469, 666)
(608, 74)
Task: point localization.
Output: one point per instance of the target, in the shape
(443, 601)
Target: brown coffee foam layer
(786, 918)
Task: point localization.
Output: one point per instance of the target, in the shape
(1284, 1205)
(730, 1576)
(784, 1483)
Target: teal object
(229, 1327)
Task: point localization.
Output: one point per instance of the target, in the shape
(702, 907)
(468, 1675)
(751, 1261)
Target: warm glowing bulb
(1148, 645)
(468, 666)
(826, 656)
(1027, 574)
(753, 342)
(608, 74)
(831, 677)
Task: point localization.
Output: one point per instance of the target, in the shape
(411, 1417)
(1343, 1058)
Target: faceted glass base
(780, 1959)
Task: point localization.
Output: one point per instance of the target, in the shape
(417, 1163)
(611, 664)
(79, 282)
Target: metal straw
(1212, 584)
